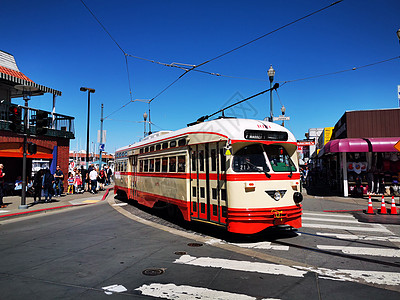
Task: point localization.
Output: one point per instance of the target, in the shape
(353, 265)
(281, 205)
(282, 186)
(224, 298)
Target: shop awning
(360, 145)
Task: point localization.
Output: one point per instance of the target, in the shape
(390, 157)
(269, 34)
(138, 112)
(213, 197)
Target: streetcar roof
(214, 130)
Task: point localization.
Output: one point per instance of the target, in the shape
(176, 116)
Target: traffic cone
(383, 206)
(393, 210)
(370, 209)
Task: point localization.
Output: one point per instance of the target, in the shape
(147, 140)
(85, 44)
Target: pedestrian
(59, 177)
(47, 185)
(78, 181)
(2, 174)
(83, 177)
(109, 174)
(71, 181)
(37, 186)
(93, 180)
(102, 179)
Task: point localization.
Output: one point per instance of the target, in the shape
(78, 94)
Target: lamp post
(283, 110)
(89, 90)
(101, 137)
(271, 74)
(145, 118)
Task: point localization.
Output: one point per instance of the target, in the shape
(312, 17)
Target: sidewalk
(64, 201)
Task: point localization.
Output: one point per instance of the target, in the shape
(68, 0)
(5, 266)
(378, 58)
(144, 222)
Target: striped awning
(13, 77)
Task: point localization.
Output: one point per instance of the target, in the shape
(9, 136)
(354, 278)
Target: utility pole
(89, 90)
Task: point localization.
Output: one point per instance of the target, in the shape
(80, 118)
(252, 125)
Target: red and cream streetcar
(237, 173)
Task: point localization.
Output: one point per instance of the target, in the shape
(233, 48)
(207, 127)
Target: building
(19, 125)
(361, 156)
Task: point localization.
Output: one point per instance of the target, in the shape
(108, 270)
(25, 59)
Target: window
(172, 144)
(250, 159)
(158, 147)
(141, 150)
(194, 191)
(182, 142)
(151, 149)
(223, 160)
(158, 164)
(202, 192)
(201, 160)
(151, 165)
(164, 167)
(279, 158)
(213, 160)
(146, 165)
(194, 157)
(165, 145)
(141, 166)
(146, 149)
(172, 164)
(214, 194)
(181, 163)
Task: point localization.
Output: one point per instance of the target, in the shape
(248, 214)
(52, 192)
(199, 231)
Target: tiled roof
(17, 74)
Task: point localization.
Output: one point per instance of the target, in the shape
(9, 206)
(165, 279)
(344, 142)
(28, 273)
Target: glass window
(151, 165)
(158, 147)
(172, 164)
(250, 159)
(181, 163)
(182, 142)
(213, 160)
(141, 150)
(201, 160)
(172, 144)
(146, 149)
(158, 165)
(146, 165)
(164, 165)
(279, 158)
(141, 166)
(194, 156)
(165, 145)
(223, 160)
(151, 148)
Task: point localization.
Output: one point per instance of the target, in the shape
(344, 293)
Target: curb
(52, 208)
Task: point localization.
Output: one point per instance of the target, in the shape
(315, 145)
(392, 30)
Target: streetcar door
(194, 182)
(201, 200)
(133, 162)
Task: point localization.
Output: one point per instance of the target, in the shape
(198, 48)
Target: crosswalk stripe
(374, 277)
(334, 227)
(331, 220)
(257, 245)
(343, 216)
(393, 239)
(184, 292)
(363, 250)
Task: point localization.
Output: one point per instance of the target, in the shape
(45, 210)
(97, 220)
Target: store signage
(306, 143)
(397, 146)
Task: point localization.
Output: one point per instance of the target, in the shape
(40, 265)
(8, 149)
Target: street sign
(101, 147)
(397, 146)
(281, 118)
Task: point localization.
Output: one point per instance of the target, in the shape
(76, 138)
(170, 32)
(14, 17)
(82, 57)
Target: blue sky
(59, 44)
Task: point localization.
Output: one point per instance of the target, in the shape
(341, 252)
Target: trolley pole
(101, 136)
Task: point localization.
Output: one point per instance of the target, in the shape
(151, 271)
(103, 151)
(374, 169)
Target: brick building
(52, 142)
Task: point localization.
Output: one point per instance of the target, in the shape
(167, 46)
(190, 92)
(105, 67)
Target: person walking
(71, 181)
(59, 177)
(47, 185)
(37, 186)
(93, 180)
(109, 174)
(2, 174)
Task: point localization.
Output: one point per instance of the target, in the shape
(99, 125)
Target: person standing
(93, 180)
(58, 177)
(47, 185)
(2, 174)
(109, 174)
(37, 186)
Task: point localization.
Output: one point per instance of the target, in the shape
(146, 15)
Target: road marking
(373, 277)
(344, 216)
(363, 250)
(393, 239)
(120, 204)
(334, 227)
(258, 245)
(354, 221)
(115, 288)
(184, 292)
(4, 211)
(90, 201)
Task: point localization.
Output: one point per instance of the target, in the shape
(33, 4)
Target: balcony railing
(58, 125)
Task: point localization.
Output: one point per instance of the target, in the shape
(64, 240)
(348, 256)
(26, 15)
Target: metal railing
(57, 125)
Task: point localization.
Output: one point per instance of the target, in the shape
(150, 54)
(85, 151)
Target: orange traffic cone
(370, 209)
(383, 206)
(393, 210)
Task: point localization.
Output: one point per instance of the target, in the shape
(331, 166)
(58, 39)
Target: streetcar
(240, 174)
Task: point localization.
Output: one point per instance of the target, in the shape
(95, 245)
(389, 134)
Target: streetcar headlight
(277, 196)
(297, 197)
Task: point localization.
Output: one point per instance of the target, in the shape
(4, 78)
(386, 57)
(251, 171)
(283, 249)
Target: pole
(87, 134)
(271, 114)
(101, 135)
(23, 192)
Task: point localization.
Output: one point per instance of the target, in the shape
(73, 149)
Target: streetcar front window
(279, 158)
(250, 159)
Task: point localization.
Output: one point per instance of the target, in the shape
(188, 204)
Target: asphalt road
(116, 249)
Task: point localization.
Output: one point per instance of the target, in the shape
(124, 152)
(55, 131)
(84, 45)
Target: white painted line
(331, 220)
(259, 245)
(184, 292)
(120, 204)
(115, 288)
(392, 239)
(335, 227)
(238, 265)
(344, 216)
(363, 251)
(4, 211)
(384, 278)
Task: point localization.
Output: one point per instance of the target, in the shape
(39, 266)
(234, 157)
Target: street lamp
(283, 110)
(271, 74)
(89, 90)
(145, 118)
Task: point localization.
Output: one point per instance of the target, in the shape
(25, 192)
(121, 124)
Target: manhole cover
(180, 253)
(152, 272)
(195, 244)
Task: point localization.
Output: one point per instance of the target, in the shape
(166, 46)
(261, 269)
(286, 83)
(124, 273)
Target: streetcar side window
(194, 157)
(223, 160)
(279, 158)
(151, 165)
(201, 160)
(157, 164)
(213, 160)
(158, 147)
(182, 142)
(141, 166)
(181, 163)
(146, 165)
(165, 145)
(151, 148)
(172, 164)
(250, 159)
(172, 144)
(164, 167)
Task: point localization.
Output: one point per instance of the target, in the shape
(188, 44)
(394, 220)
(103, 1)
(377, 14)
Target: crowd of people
(47, 185)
